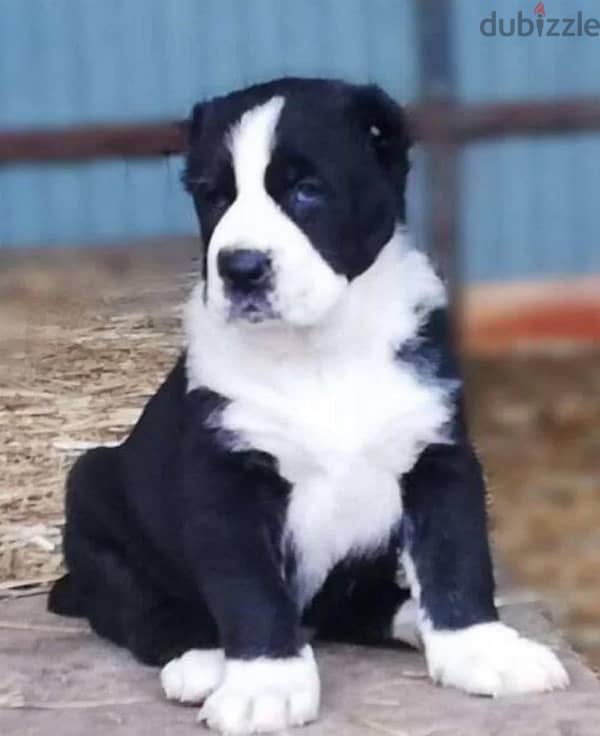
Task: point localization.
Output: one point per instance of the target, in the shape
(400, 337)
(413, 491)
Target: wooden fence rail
(430, 123)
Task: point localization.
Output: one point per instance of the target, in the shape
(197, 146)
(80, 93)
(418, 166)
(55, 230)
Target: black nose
(244, 269)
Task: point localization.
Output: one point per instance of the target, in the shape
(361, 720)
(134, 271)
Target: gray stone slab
(58, 679)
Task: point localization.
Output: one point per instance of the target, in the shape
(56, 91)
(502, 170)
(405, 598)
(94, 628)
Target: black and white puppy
(308, 445)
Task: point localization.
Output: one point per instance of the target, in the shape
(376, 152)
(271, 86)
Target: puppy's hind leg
(107, 580)
(178, 636)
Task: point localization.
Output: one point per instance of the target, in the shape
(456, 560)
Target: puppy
(310, 443)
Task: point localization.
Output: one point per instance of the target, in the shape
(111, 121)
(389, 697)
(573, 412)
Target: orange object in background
(502, 317)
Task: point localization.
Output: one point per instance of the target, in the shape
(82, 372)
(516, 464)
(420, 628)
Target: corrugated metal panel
(528, 205)
(531, 208)
(73, 61)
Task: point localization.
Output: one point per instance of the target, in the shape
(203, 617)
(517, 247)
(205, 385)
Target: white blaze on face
(304, 286)
(251, 143)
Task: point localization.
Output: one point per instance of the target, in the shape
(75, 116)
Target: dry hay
(75, 370)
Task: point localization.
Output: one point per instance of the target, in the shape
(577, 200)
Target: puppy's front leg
(447, 556)
(270, 678)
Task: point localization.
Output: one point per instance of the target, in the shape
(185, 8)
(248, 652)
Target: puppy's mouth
(252, 309)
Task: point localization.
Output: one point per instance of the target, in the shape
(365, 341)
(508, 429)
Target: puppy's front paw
(191, 677)
(263, 695)
(492, 659)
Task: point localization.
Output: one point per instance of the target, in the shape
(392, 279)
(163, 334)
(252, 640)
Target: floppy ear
(386, 130)
(380, 203)
(194, 123)
(192, 130)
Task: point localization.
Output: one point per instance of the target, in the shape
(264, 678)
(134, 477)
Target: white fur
(410, 572)
(408, 619)
(191, 677)
(305, 287)
(491, 659)
(343, 417)
(264, 695)
(405, 624)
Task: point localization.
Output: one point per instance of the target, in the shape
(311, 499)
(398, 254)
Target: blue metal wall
(528, 206)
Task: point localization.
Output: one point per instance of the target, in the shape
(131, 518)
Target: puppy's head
(297, 184)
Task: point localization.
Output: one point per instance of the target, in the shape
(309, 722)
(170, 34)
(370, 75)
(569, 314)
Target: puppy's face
(297, 184)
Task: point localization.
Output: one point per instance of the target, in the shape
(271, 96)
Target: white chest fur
(342, 416)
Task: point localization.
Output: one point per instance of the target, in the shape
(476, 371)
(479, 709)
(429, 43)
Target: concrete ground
(58, 679)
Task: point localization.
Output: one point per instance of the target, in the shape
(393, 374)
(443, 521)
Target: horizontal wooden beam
(454, 123)
(433, 122)
(87, 142)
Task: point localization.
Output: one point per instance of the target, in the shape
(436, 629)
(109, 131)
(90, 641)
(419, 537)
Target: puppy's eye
(216, 197)
(208, 193)
(308, 191)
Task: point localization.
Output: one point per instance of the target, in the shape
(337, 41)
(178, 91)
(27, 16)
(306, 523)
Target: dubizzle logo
(572, 27)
